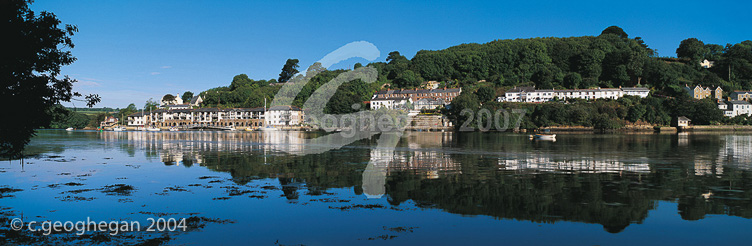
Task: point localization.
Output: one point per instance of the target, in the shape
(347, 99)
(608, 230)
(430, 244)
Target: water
(438, 188)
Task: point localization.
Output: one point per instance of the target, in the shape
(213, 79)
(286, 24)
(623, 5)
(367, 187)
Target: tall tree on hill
(168, 98)
(33, 54)
(187, 96)
(150, 104)
(615, 30)
(288, 70)
(692, 49)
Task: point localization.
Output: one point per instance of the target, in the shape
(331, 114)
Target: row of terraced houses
(532, 95)
(235, 117)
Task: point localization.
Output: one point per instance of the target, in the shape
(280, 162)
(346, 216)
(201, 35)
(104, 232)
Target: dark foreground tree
(288, 70)
(32, 54)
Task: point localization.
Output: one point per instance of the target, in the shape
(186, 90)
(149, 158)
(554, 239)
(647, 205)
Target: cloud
(154, 73)
(166, 67)
(88, 83)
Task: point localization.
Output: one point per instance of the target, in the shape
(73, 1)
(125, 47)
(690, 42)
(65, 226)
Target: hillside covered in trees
(611, 59)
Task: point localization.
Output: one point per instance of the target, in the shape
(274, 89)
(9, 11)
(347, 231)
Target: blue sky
(130, 51)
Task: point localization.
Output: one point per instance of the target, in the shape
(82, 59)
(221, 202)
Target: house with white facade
(390, 103)
(283, 116)
(428, 103)
(706, 64)
(531, 95)
(636, 91)
(175, 100)
(736, 108)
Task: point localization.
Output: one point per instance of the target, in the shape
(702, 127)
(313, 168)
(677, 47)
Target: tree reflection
(611, 180)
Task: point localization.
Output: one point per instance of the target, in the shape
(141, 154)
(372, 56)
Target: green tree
(168, 98)
(187, 96)
(408, 79)
(605, 122)
(572, 80)
(636, 112)
(464, 101)
(123, 114)
(486, 94)
(616, 31)
(692, 49)
(240, 80)
(288, 70)
(150, 104)
(33, 53)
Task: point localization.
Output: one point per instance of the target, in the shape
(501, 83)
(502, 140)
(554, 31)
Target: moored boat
(70, 129)
(269, 128)
(544, 137)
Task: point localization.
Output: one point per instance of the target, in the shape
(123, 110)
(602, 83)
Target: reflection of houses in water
(428, 164)
(736, 151)
(547, 164)
(177, 147)
(706, 167)
(683, 138)
(386, 159)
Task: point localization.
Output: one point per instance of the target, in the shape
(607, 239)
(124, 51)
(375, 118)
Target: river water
(433, 188)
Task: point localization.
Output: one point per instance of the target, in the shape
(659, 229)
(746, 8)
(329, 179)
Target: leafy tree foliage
(486, 94)
(692, 49)
(150, 104)
(33, 53)
(168, 98)
(63, 118)
(616, 31)
(187, 96)
(288, 70)
(123, 113)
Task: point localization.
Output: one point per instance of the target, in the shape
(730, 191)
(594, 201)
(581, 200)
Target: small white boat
(118, 129)
(70, 129)
(248, 129)
(544, 137)
(173, 129)
(153, 129)
(268, 129)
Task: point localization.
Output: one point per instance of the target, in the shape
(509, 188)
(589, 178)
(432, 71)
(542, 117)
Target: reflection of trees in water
(609, 199)
(704, 174)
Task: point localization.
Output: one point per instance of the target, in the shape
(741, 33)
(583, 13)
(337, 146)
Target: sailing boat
(267, 127)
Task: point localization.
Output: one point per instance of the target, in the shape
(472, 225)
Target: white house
(707, 64)
(531, 95)
(137, 119)
(428, 103)
(736, 108)
(636, 91)
(196, 101)
(283, 116)
(682, 121)
(177, 100)
(390, 103)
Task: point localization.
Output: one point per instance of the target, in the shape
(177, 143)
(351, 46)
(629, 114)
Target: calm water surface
(434, 188)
